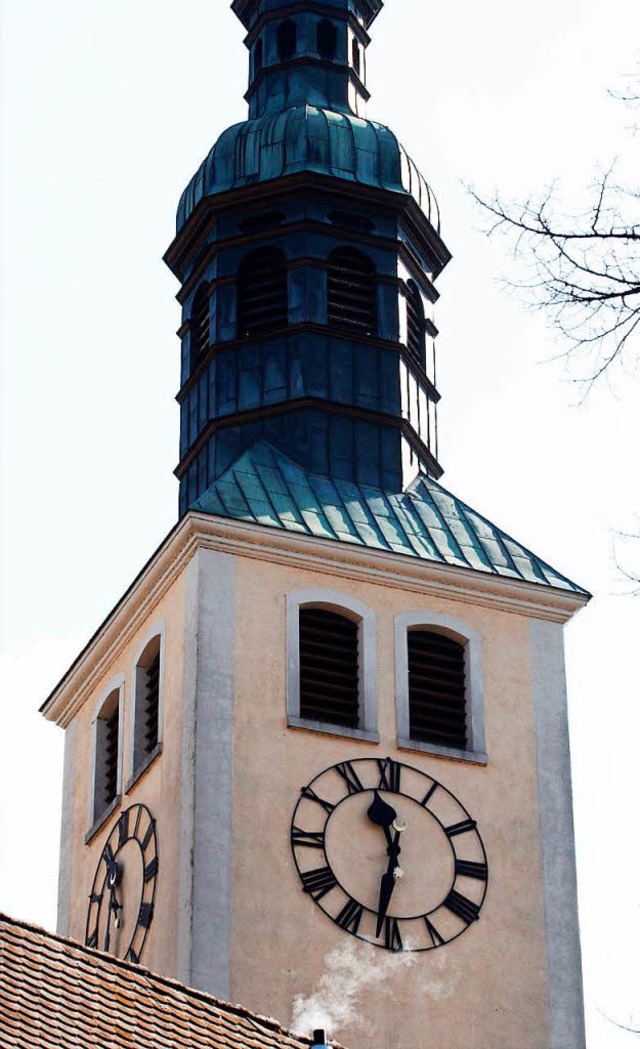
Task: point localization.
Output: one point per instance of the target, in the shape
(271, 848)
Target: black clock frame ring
(318, 883)
(134, 824)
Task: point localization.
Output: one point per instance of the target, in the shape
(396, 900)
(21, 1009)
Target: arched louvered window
(437, 689)
(355, 55)
(351, 292)
(328, 661)
(327, 39)
(199, 326)
(147, 699)
(107, 755)
(257, 58)
(287, 40)
(415, 323)
(262, 292)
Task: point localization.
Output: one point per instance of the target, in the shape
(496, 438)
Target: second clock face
(122, 898)
(389, 854)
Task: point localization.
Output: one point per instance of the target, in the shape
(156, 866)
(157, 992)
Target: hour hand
(380, 813)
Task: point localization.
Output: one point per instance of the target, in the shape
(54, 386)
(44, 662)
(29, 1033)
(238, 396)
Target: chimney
(319, 1040)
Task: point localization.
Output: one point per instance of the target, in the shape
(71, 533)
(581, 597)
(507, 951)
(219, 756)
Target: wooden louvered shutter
(328, 667)
(415, 324)
(437, 701)
(151, 704)
(199, 326)
(351, 292)
(262, 293)
(111, 734)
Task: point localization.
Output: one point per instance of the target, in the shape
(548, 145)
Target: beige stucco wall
(488, 988)
(158, 787)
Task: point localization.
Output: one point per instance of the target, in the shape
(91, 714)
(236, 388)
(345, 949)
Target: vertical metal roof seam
(276, 513)
(285, 481)
(234, 471)
(427, 497)
(326, 517)
(499, 535)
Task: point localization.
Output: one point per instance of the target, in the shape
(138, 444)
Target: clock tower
(331, 708)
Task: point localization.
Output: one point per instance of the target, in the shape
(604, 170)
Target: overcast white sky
(108, 109)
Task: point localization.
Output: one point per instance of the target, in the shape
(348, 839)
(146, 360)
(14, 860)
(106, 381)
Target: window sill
(102, 819)
(472, 756)
(139, 772)
(326, 729)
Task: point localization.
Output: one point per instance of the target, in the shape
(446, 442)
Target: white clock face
(389, 854)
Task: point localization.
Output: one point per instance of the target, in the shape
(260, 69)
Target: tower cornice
(198, 531)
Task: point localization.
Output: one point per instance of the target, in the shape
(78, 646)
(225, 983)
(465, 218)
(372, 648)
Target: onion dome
(307, 138)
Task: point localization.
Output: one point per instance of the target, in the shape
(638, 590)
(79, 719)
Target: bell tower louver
(307, 248)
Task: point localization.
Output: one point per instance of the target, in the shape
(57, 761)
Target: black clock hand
(388, 880)
(380, 813)
(113, 876)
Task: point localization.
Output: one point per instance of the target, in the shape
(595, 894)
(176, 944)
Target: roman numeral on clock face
(390, 774)
(392, 937)
(132, 956)
(151, 869)
(308, 839)
(350, 776)
(350, 916)
(460, 828)
(436, 939)
(145, 915)
(312, 796)
(123, 828)
(472, 870)
(148, 836)
(462, 907)
(92, 939)
(319, 882)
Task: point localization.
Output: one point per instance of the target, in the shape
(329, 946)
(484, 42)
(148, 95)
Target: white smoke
(348, 972)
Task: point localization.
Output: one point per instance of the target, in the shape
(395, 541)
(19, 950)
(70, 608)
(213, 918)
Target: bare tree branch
(583, 270)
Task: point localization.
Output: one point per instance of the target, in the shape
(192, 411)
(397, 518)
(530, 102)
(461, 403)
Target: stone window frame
(158, 630)
(472, 640)
(97, 819)
(341, 604)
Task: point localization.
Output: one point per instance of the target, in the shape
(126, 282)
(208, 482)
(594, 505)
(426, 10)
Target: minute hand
(388, 882)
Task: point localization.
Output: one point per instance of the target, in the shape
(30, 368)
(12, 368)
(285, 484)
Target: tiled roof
(56, 994)
(426, 521)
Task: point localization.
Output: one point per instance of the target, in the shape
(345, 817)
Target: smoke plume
(349, 971)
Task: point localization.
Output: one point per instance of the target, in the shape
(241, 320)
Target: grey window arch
(331, 664)
(465, 729)
(148, 702)
(107, 752)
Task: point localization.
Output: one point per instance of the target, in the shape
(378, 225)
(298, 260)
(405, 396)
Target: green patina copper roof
(306, 138)
(426, 521)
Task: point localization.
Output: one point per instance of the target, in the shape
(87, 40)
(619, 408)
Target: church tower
(331, 708)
